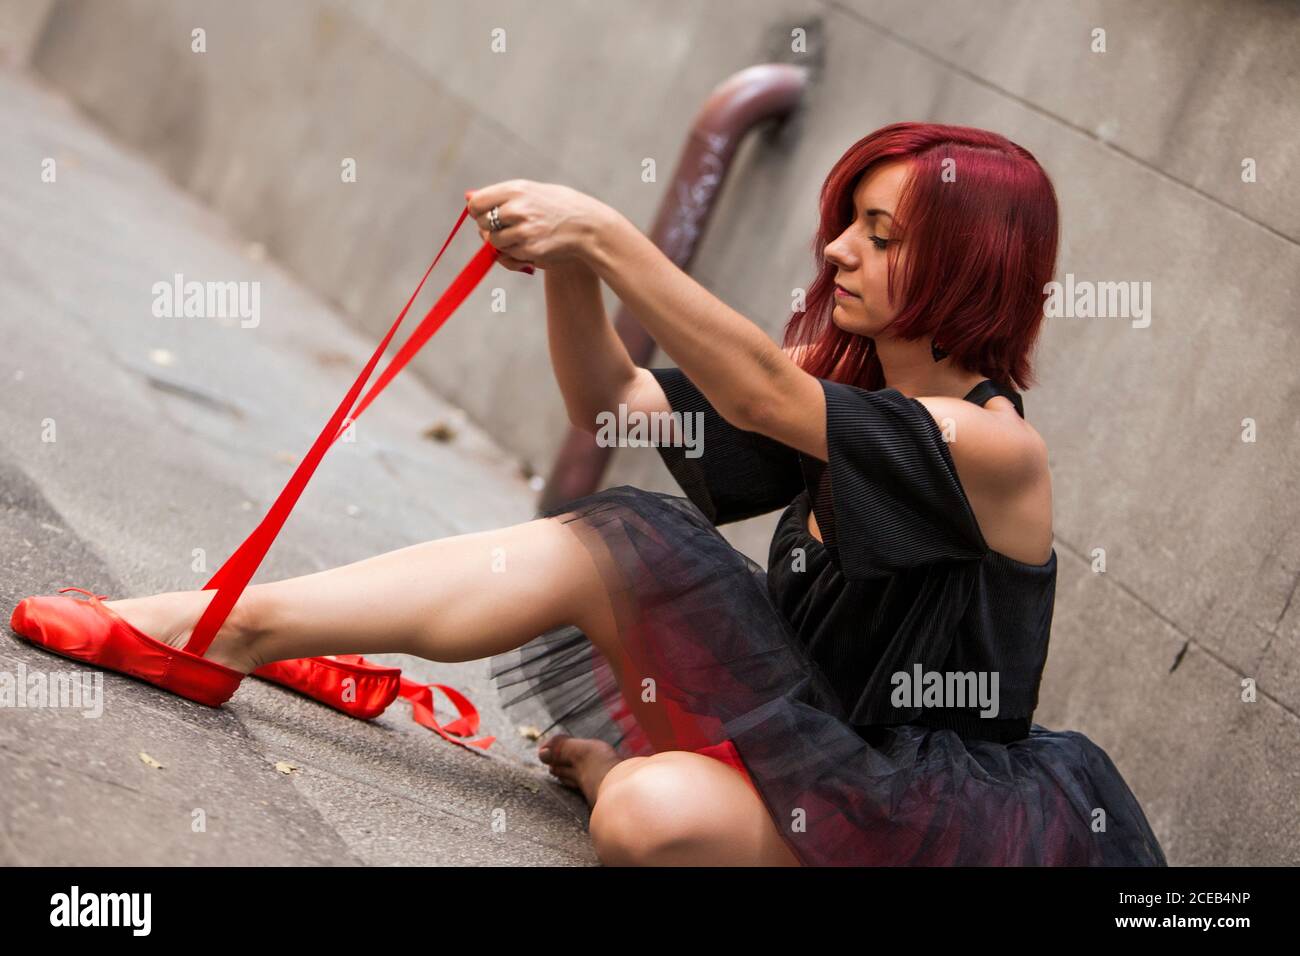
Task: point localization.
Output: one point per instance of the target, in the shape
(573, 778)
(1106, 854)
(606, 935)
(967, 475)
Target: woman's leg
(471, 596)
(683, 809)
(460, 598)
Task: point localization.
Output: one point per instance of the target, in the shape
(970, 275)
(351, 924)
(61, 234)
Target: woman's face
(860, 252)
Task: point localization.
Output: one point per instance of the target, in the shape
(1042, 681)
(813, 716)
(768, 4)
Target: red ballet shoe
(373, 687)
(91, 632)
(346, 682)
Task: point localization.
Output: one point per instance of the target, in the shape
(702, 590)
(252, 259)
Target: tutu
(783, 674)
(695, 617)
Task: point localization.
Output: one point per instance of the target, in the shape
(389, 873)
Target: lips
(841, 291)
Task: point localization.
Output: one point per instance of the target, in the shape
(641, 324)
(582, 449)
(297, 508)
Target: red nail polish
(529, 269)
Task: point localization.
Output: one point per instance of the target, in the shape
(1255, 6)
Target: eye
(878, 241)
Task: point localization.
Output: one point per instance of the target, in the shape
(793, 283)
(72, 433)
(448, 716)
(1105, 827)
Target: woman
(866, 700)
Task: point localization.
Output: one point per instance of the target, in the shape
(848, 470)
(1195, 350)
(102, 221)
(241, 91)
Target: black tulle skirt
(707, 664)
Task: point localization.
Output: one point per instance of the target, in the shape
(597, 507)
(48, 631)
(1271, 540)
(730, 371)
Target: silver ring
(494, 219)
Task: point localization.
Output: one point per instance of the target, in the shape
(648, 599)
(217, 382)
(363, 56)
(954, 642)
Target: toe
(566, 776)
(552, 752)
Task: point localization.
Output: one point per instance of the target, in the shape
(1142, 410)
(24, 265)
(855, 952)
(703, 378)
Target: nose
(837, 253)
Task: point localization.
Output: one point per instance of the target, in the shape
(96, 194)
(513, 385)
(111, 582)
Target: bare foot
(171, 617)
(578, 762)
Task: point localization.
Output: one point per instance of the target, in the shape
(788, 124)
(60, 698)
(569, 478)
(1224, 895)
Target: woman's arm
(747, 377)
(591, 364)
(755, 385)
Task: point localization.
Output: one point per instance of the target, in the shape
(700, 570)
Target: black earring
(937, 352)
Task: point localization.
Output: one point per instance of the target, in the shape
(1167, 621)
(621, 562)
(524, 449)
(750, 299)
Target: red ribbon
(232, 577)
(421, 698)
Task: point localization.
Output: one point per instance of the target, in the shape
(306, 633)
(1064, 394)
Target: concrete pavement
(171, 437)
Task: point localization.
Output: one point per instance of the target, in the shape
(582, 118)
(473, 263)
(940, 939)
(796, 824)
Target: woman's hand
(542, 224)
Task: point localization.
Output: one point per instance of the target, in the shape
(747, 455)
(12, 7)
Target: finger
(497, 194)
(513, 264)
(509, 238)
(507, 260)
(505, 217)
(504, 258)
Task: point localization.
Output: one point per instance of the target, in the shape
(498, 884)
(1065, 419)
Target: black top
(904, 577)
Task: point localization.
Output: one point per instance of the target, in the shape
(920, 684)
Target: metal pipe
(769, 91)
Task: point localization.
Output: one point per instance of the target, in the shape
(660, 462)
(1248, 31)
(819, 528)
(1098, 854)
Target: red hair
(981, 249)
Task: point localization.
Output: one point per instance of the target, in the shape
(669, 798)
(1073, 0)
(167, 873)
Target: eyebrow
(878, 212)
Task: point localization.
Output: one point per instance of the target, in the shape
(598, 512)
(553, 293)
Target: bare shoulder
(994, 449)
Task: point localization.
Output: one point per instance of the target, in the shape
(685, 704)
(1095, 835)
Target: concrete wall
(1144, 142)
